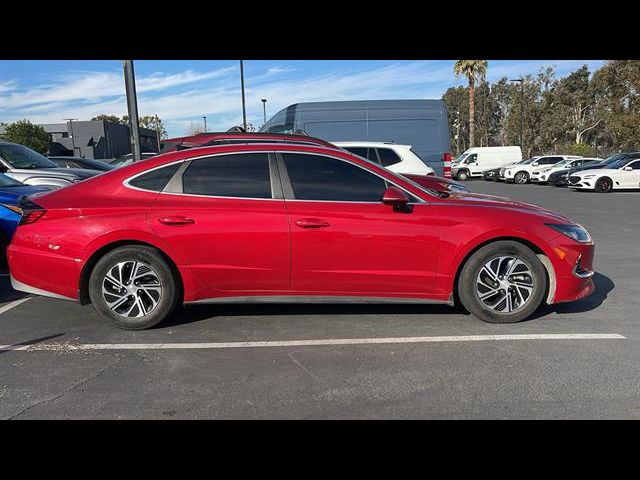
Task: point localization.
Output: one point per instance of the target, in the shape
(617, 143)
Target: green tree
(472, 70)
(107, 118)
(154, 123)
(26, 133)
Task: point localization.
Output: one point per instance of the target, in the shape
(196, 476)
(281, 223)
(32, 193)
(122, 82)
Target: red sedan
(290, 223)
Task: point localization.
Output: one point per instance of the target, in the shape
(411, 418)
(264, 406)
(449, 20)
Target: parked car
(421, 123)
(439, 184)
(492, 174)
(314, 224)
(623, 174)
(560, 178)
(542, 176)
(476, 160)
(397, 158)
(31, 168)
(79, 162)
(521, 173)
(10, 192)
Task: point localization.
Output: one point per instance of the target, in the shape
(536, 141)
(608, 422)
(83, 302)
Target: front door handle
(176, 220)
(311, 223)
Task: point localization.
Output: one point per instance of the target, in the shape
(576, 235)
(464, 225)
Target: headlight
(588, 176)
(508, 172)
(573, 231)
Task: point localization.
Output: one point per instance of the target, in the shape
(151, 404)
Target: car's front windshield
(6, 181)
(20, 156)
(527, 161)
(621, 162)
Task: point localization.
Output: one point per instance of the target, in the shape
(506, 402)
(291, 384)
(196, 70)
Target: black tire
(604, 185)
(468, 293)
(166, 302)
(463, 175)
(521, 178)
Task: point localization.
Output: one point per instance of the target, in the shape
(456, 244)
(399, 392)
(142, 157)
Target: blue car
(10, 191)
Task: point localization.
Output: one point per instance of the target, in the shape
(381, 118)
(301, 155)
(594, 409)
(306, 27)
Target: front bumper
(573, 267)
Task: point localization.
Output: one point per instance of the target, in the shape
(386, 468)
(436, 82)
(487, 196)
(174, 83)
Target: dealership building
(97, 139)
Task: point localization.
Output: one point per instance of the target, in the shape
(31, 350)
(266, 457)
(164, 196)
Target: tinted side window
(315, 177)
(635, 165)
(388, 157)
(155, 180)
(360, 151)
(243, 175)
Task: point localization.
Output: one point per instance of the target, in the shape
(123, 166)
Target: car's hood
(593, 171)
(70, 173)
(482, 200)
(590, 167)
(11, 194)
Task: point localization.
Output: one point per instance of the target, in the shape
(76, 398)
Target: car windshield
(527, 161)
(621, 162)
(562, 163)
(460, 158)
(20, 156)
(6, 181)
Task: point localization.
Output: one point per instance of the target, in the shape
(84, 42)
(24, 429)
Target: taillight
(31, 211)
(446, 170)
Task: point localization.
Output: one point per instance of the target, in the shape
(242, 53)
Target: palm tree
(472, 69)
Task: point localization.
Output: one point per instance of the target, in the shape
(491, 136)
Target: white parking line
(15, 303)
(307, 343)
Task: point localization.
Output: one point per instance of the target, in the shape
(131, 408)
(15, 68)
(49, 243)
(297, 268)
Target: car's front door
(222, 217)
(345, 241)
(630, 178)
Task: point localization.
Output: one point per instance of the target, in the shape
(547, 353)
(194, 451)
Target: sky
(181, 92)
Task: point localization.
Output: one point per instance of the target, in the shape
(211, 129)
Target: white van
(476, 160)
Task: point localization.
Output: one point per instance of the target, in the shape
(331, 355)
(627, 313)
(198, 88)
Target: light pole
(205, 124)
(73, 141)
(244, 110)
(521, 80)
(264, 110)
(132, 107)
(457, 125)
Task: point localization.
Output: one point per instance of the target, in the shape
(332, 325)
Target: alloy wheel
(505, 284)
(131, 289)
(521, 177)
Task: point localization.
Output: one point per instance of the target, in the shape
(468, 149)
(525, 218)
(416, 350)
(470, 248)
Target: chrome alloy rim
(131, 289)
(505, 284)
(521, 178)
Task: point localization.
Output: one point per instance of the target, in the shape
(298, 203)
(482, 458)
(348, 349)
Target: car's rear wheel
(521, 177)
(502, 282)
(604, 185)
(133, 288)
(463, 175)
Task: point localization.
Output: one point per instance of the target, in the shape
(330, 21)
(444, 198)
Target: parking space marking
(308, 343)
(15, 303)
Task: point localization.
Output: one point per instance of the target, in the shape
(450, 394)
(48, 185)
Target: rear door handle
(176, 220)
(311, 223)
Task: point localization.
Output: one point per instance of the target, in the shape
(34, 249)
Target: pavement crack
(67, 391)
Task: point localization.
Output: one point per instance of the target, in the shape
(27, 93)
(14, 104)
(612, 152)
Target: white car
(620, 175)
(542, 176)
(397, 158)
(522, 172)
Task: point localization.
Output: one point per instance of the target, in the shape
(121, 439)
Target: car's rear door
(630, 178)
(345, 241)
(223, 216)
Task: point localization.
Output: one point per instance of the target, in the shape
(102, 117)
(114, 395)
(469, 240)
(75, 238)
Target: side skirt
(320, 299)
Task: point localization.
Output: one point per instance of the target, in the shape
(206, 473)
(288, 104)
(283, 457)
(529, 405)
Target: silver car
(31, 168)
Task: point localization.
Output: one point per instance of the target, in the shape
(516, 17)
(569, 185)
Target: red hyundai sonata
(290, 223)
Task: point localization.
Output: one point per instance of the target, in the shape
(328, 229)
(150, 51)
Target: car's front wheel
(604, 185)
(133, 288)
(463, 175)
(521, 177)
(502, 282)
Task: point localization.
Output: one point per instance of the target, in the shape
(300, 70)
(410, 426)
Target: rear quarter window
(155, 180)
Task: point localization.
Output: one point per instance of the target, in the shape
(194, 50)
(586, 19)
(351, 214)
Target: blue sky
(182, 91)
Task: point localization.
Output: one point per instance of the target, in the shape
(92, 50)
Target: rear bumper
(23, 287)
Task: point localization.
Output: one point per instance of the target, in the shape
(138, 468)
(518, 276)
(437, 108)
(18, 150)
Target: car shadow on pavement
(196, 313)
(603, 284)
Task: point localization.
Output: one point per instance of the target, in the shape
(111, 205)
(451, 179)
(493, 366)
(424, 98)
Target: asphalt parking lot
(579, 360)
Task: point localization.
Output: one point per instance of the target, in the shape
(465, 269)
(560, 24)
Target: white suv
(395, 157)
(522, 172)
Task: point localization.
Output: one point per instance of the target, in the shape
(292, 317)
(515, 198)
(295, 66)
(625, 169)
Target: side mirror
(394, 196)
(535, 164)
(628, 169)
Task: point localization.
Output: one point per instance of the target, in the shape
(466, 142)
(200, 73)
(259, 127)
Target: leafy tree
(107, 118)
(472, 70)
(26, 133)
(153, 123)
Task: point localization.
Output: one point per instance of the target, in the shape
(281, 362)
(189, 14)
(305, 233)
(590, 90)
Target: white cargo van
(476, 160)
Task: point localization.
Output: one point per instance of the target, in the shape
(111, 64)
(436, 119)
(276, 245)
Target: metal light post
(521, 80)
(205, 124)
(73, 140)
(264, 110)
(132, 107)
(158, 131)
(244, 110)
